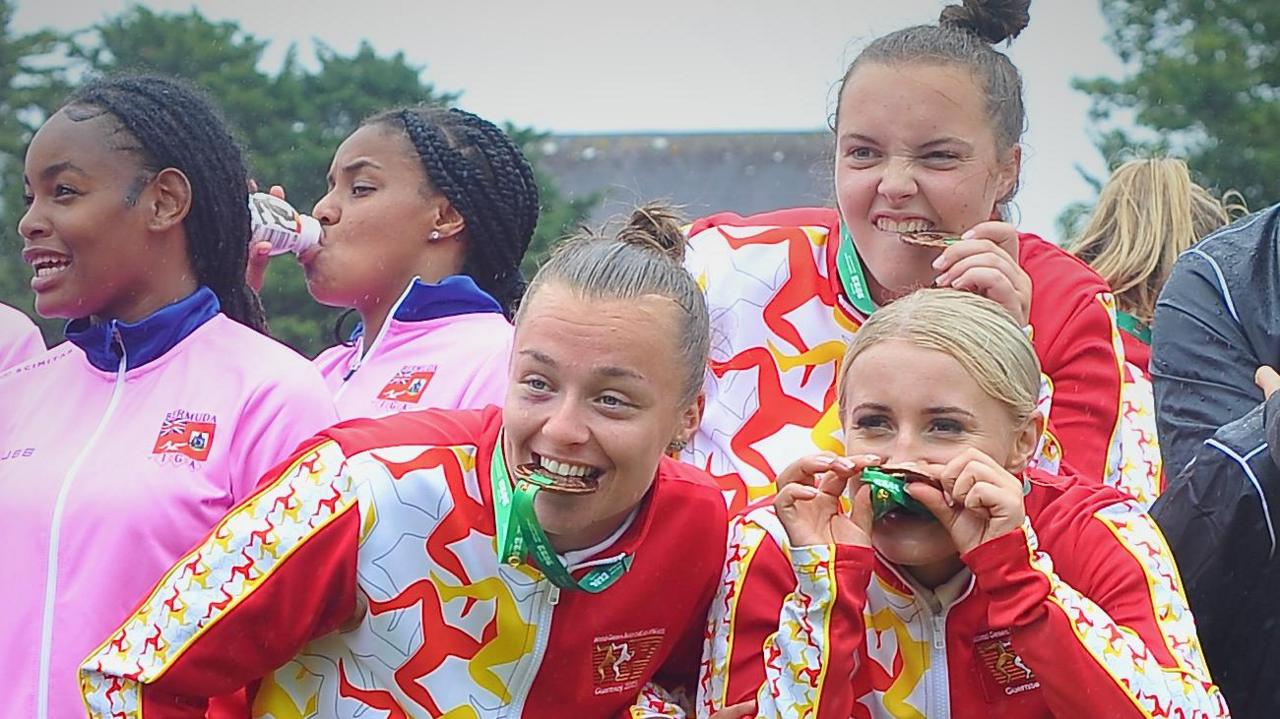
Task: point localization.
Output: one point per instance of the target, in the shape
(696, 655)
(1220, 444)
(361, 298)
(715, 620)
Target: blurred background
(712, 104)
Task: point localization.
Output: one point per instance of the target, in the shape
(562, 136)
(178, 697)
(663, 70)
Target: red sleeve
(786, 625)
(277, 571)
(1080, 351)
(1112, 618)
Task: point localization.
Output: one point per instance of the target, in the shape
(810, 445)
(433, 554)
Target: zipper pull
(939, 631)
(119, 342)
(553, 595)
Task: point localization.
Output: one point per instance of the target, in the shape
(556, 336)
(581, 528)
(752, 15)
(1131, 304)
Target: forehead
(639, 334)
(898, 373)
(92, 140)
(913, 98)
(382, 144)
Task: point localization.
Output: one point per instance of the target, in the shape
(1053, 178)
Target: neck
(880, 294)
(935, 574)
(145, 303)
(373, 319)
(585, 537)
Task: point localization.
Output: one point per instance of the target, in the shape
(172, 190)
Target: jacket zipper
(939, 699)
(941, 693)
(55, 531)
(361, 355)
(522, 681)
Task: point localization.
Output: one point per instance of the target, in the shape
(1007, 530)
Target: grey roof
(704, 172)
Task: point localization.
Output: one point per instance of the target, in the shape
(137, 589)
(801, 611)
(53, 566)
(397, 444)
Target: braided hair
(487, 179)
(173, 125)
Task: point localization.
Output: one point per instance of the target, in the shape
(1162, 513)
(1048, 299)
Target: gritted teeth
(885, 224)
(565, 469)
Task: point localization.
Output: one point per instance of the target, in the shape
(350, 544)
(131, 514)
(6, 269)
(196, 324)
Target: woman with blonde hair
(1148, 213)
(969, 586)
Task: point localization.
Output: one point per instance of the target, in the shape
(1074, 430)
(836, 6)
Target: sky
(670, 65)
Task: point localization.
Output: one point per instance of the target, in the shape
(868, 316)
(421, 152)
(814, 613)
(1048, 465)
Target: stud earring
(677, 446)
(435, 234)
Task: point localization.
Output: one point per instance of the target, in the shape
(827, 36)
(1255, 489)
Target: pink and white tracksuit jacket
(445, 345)
(19, 338)
(118, 451)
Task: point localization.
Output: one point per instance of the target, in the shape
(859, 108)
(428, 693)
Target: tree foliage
(1202, 82)
(290, 121)
(29, 83)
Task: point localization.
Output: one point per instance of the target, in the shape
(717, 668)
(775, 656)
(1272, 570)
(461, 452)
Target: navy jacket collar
(454, 295)
(451, 296)
(145, 340)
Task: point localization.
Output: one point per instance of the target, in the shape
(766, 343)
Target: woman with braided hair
(124, 445)
(428, 215)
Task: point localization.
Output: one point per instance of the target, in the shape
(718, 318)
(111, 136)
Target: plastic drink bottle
(277, 222)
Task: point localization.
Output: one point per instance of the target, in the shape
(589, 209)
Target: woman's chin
(910, 540)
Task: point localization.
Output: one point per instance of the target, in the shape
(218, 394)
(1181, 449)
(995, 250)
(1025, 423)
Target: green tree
(290, 122)
(31, 81)
(1202, 82)
(560, 215)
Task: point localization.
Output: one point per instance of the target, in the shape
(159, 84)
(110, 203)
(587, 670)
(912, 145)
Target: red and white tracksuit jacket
(1078, 614)
(780, 325)
(362, 580)
(1141, 450)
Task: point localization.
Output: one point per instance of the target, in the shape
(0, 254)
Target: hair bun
(658, 226)
(992, 20)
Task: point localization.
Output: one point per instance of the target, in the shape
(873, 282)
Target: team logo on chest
(408, 384)
(619, 661)
(1005, 675)
(185, 437)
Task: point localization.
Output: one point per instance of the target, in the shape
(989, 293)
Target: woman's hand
(985, 262)
(808, 501)
(978, 502)
(259, 252)
(1267, 380)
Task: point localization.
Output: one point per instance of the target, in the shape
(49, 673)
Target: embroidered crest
(408, 384)
(619, 661)
(185, 435)
(1005, 675)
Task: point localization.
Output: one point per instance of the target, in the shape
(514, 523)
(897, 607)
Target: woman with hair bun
(962, 583)
(569, 564)
(927, 160)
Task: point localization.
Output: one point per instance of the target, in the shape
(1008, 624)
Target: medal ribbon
(852, 279)
(521, 539)
(1135, 327)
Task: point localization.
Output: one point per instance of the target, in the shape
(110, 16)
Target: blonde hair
(976, 332)
(1147, 214)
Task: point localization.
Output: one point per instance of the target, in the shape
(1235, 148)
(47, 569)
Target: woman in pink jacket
(122, 447)
(428, 215)
(19, 338)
